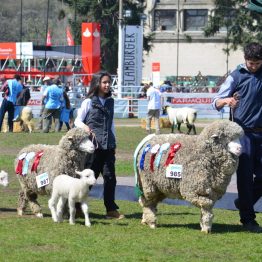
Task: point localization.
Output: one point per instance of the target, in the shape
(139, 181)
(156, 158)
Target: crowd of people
(58, 101)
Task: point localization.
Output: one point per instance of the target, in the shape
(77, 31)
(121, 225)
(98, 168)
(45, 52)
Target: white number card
(174, 171)
(42, 180)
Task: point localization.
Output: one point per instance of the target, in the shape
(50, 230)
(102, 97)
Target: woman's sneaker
(114, 215)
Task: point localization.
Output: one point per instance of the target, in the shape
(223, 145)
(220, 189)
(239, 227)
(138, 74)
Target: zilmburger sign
(17, 50)
(132, 58)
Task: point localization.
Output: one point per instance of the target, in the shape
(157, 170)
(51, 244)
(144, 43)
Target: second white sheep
(74, 190)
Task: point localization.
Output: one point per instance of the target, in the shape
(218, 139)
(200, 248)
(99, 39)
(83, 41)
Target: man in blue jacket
(53, 97)
(242, 91)
(11, 89)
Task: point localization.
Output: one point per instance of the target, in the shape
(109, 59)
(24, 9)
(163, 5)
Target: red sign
(156, 67)
(34, 102)
(90, 48)
(7, 50)
(194, 100)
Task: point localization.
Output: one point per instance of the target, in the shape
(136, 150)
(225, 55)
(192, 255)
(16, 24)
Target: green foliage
(34, 17)
(240, 24)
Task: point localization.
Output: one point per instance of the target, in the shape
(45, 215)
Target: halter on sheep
(206, 163)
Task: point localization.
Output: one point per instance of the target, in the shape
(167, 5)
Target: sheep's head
(77, 139)
(226, 133)
(87, 174)
(3, 178)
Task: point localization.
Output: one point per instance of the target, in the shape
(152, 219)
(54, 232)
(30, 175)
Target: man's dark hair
(253, 51)
(17, 77)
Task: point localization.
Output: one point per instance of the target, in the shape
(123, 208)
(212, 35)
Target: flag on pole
(70, 40)
(48, 38)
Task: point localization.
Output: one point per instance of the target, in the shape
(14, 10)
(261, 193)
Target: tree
(106, 13)
(241, 24)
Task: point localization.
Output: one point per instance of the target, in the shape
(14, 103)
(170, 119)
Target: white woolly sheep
(206, 161)
(177, 116)
(74, 190)
(66, 157)
(26, 119)
(4, 178)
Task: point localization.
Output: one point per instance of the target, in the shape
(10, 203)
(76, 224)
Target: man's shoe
(114, 215)
(236, 202)
(252, 227)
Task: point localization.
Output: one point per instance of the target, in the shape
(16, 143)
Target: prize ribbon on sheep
(154, 151)
(142, 160)
(28, 157)
(172, 152)
(162, 149)
(37, 160)
(19, 167)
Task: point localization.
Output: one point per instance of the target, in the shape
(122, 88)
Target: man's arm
(222, 99)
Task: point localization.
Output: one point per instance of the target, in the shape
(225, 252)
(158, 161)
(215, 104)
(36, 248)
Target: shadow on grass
(216, 227)
(9, 210)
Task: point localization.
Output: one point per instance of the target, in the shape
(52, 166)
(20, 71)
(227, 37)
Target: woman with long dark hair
(96, 114)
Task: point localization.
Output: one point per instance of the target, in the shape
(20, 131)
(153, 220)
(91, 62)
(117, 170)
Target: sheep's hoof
(20, 212)
(206, 230)
(72, 223)
(152, 226)
(143, 222)
(88, 224)
(39, 215)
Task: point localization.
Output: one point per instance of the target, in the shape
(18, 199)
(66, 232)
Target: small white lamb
(3, 178)
(73, 189)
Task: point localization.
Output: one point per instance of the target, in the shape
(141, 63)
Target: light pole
(120, 50)
(178, 39)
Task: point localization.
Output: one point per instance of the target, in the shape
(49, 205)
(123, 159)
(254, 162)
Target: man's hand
(229, 101)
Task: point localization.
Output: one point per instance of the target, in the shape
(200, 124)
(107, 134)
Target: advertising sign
(91, 47)
(132, 55)
(16, 50)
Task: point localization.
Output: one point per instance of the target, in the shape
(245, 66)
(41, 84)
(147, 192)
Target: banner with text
(132, 58)
(17, 50)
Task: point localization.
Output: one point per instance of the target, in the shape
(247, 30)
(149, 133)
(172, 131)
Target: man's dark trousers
(249, 175)
(7, 106)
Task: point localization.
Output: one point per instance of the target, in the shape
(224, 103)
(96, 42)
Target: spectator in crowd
(21, 101)
(52, 98)
(46, 83)
(65, 112)
(154, 106)
(11, 89)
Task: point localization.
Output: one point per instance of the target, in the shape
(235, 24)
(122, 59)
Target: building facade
(179, 43)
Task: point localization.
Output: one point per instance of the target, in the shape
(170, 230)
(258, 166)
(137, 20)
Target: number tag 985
(174, 171)
(42, 180)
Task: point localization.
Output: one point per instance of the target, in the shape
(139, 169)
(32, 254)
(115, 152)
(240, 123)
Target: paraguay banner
(132, 55)
(17, 50)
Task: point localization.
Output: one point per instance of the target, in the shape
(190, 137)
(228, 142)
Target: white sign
(174, 171)
(132, 55)
(42, 180)
(24, 50)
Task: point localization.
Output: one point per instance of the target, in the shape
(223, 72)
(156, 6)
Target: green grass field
(178, 237)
